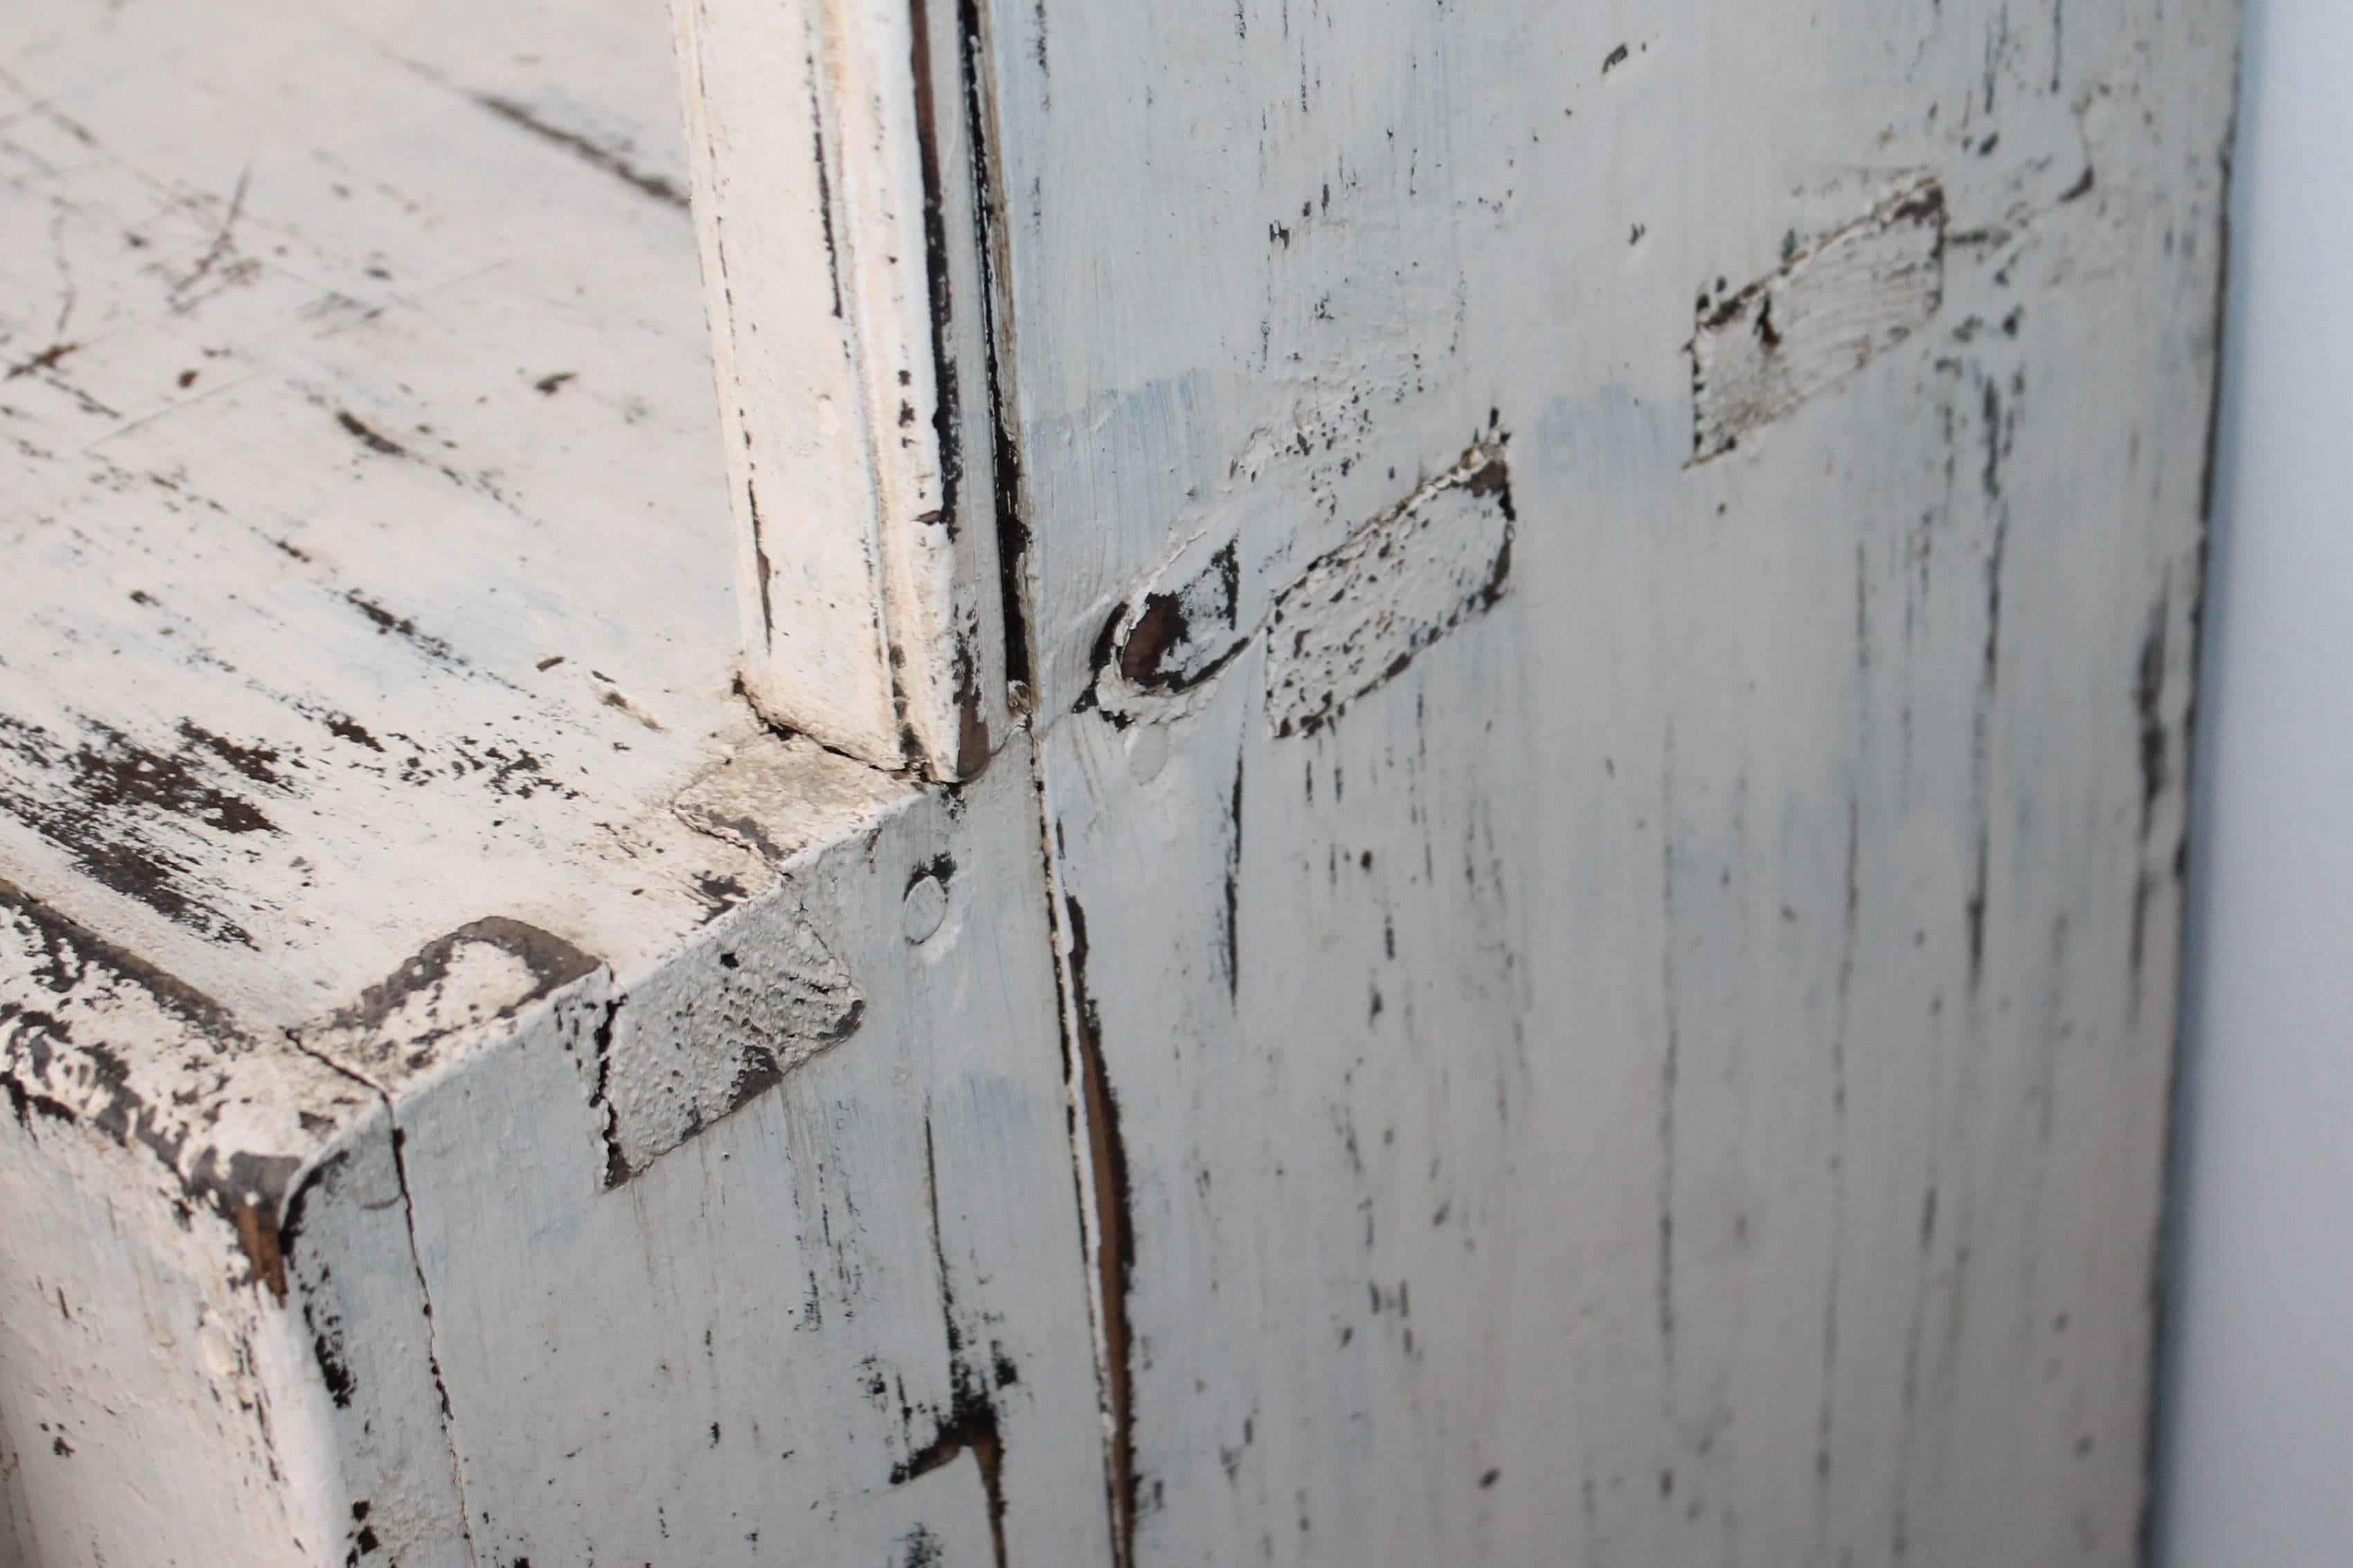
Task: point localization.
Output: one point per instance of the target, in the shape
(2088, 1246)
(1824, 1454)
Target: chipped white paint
(1354, 619)
(114, 1330)
(1676, 1073)
(721, 1023)
(362, 500)
(160, 1165)
(1821, 317)
(779, 796)
(847, 1319)
(1572, 962)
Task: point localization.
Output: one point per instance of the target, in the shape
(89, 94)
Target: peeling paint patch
(92, 1036)
(762, 993)
(137, 816)
(1358, 616)
(1759, 353)
(1115, 1237)
(1184, 636)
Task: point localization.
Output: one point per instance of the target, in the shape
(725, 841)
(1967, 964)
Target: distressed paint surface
(372, 763)
(1676, 1072)
(1819, 318)
(843, 1322)
(229, 1213)
(1573, 962)
(130, 1431)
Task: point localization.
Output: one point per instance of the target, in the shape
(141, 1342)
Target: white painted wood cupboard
(1396, 783)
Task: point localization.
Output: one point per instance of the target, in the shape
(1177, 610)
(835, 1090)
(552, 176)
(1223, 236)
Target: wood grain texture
(1816, 319)
(1677, 1072)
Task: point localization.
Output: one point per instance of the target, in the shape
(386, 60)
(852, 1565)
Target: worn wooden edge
(264, 1167)
(243, 1119)
(869, 469)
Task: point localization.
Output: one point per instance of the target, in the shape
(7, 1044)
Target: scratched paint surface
(1676, 1072)
(1609, 695)
(845, 1323)
(362, 501)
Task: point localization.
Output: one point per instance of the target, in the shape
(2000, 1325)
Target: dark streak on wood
(2149, 708)
(1115, 1231)
(117, 803)
(1233, 886)
(258, 1236)
(761, 568)
(343, 727)
(553, 961)
(45, 360)
(600, 1100)
(2149, 697)
(997, 331)
(2217, 332)
(824, 187)
(945, 427)
(401, 627)
(580, 147)
(324, 1325)
(374, 440)
(247, 1190)
(971, 1426)
(974, 743)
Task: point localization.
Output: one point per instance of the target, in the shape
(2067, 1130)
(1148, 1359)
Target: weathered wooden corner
(337, 1258)
(224, 1234)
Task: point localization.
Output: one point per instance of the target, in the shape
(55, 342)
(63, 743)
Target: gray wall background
(2255, 1455)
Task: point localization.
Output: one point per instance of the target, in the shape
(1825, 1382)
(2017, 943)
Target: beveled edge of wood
(847, 257)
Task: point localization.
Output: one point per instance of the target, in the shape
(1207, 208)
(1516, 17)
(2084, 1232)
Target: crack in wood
(1106, 1154)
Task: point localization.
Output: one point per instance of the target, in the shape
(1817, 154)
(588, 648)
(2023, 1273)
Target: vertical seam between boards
(395, 1135)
